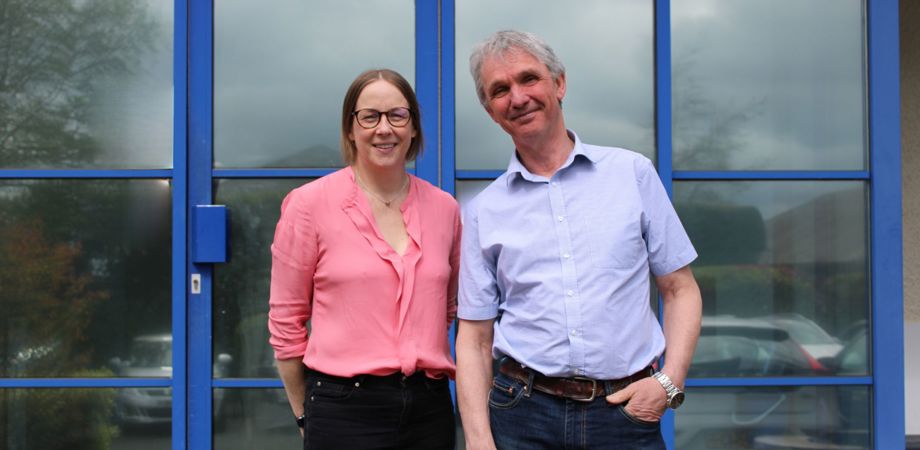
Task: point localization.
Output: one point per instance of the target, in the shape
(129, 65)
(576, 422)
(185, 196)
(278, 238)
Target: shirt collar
(517, 170)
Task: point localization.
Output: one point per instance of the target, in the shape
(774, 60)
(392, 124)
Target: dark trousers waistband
(393, 379)
(574, 388)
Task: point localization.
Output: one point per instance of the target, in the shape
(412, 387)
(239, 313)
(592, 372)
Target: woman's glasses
(369, 118)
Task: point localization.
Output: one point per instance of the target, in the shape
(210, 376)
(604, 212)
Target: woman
(369, 255)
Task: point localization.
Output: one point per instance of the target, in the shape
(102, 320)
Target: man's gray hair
(505, 40)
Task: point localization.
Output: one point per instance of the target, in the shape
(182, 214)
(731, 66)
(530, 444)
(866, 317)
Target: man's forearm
(474, 377)
(683, 308)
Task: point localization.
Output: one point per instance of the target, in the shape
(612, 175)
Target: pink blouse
(371, 311)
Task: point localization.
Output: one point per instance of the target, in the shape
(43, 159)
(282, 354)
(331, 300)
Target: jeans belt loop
(528, 388)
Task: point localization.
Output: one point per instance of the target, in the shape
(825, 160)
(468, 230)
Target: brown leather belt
(575, 388)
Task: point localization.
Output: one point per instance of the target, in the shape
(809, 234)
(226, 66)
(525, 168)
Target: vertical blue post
(663, 139)
(201, 50)
(885, 189)
(448, 88)
(426, 86)
(179, 215)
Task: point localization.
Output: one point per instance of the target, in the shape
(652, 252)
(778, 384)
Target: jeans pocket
(320, 389)
(506, 392)
(637, 421)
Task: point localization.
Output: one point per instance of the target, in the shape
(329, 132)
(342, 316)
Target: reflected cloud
(280, 74)
(801, 94)
(608, 50)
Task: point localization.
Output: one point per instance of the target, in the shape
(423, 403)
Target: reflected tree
(51, 51)
(48, 303)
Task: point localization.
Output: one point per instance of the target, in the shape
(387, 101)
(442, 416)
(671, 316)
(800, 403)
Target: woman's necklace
(379, 198)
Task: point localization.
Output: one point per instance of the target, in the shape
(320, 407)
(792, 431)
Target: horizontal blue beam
(271, 173)
(247, 383)
(779, 381)
(773, 175)
(28, 383)
(85, 173)
(479, 174)
(717, 175)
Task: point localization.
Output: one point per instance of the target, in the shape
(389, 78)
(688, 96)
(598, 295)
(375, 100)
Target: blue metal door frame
(886, 380)
(200, 181)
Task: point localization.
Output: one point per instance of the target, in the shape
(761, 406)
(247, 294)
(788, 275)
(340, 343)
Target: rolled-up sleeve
(478, 293)
(291, 293)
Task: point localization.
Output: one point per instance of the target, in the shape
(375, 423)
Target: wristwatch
(300, 420)
(675, 395)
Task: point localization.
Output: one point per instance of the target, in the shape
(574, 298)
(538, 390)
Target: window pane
(608, 50)
(86, 84)
(756, 86)
(282, 108)
(783, 270)
(85, 270)
(241, 286)
(117, 418)
(774, 418)
(253, 418)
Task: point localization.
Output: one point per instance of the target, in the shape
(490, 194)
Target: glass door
(266, 88)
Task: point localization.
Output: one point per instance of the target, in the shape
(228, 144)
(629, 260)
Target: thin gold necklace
(379, 198)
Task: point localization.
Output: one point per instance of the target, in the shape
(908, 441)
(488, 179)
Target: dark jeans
(368, 412)
(542, 421)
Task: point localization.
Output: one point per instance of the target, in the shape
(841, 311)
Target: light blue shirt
(563, 263)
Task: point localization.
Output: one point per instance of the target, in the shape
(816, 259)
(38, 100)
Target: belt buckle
(593, 389)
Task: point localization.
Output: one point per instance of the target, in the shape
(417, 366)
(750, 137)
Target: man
(554, 280)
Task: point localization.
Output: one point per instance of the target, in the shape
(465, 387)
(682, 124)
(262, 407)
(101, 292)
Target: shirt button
(573, 333)
(566, 255)
(570, 293)
(561, 218)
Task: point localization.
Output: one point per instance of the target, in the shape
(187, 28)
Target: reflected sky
(134, 115)
(757, 86)
(280, 74)
(607, 48)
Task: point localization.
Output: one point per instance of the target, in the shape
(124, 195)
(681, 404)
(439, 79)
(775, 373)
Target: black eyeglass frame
(383, 113)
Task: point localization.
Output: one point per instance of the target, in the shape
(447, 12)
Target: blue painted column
(885, 191)
(200, 132)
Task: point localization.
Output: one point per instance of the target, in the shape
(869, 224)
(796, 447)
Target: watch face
(676, 401)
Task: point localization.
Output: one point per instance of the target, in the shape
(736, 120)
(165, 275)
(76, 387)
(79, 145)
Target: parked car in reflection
(850, 403)
(759, 416)
(814, 339)
(731, 346)
(150, 356)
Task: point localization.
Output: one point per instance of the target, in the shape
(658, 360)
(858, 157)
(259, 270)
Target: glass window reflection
(86, 84)
(242, 285)
(253, 418)
(774, 418)
(85, 270)
(755, 87)
(120, 418)
(783, 272)
(607, 48)
(280, 74)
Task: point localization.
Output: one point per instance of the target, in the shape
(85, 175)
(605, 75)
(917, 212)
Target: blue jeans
(534, 420)
(367, 412)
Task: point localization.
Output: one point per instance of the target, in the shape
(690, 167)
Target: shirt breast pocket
(614, 239)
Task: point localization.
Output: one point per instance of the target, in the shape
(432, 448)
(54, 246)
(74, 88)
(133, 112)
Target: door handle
(210, 234)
